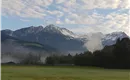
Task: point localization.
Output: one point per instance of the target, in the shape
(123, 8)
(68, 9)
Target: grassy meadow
(62, 73)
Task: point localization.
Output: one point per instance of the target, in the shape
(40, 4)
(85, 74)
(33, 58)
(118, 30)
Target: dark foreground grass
(62, 73)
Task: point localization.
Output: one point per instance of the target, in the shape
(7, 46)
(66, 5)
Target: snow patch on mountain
(55, 29)
(110, 39)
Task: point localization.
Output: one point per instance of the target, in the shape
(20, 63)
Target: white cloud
(25, 20)
(72, 12)
(44, 3)
(124, 4)
(68, 21)
(70, 3)
(106, 24)
(82, 29)
(117, 22)
(56, 13)
(84, 18)
(66, 3)
(91, 4)
(39, 7)
(58, 22)
(25, 8)
(59, 1)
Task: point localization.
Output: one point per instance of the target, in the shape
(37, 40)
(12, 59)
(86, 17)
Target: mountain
(48, 40)
(51, 35)
(55, 29)
(110, 39)
(61, 38)
(106, 39)
(11, 44)
(14, 50)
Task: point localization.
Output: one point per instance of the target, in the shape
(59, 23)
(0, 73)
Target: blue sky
(79, 16)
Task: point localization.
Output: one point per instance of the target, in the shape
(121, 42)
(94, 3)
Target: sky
(79, 16)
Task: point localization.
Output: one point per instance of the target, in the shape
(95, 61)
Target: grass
(62, 73)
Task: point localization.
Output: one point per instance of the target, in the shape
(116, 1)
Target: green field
(62, 73)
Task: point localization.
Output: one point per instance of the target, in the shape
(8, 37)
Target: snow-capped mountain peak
(31, 29)
(52, 28)
(110, 39)
(115, 35)
(55, 29)
(35, 29)
(66, 32)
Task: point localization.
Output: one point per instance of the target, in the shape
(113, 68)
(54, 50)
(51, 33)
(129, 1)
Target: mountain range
(52, 38)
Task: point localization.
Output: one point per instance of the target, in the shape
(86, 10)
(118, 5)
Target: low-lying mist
(94, 42)
(16, 53)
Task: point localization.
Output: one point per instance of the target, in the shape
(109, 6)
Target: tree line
(114, 56)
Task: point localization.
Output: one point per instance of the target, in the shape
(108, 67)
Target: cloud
(25, 20)
(58, 21)
(106, 24)
(68, 21)
(56, 13)
(83, 18)
(94, 42)
(59, 1)
(44, 3)
(25, 8)
(117, 22)
(91, 4)
(39, 8)
(69, 3)
(73, 12)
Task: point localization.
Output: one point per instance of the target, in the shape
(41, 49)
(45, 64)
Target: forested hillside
(114, 56)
